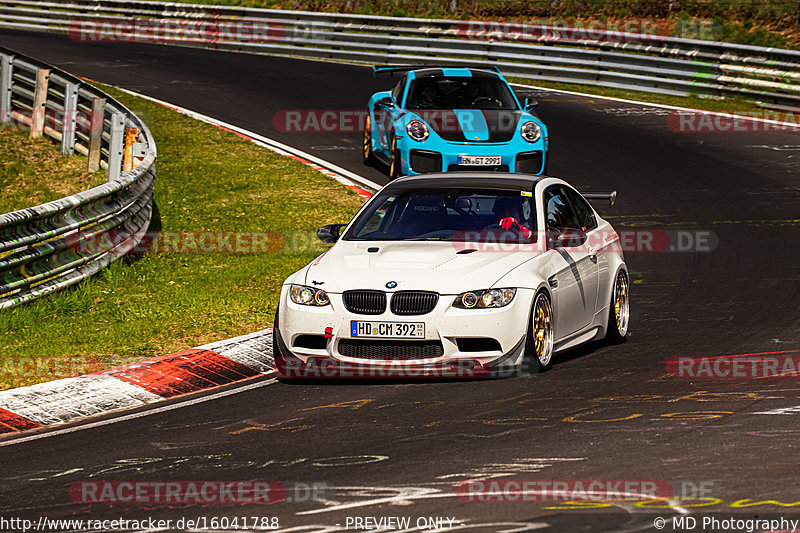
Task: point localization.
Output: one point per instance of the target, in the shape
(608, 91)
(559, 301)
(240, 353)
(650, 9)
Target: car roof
(454, 72)
(478, 180)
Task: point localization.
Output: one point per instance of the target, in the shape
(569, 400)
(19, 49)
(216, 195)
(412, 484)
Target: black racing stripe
(429, 73)
(444, 123)
(502, 125)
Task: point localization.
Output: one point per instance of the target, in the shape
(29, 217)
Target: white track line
(663, 106)
(345, 176)
(141, 414)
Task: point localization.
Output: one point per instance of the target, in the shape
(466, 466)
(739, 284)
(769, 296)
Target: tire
(276, 348)
(366, 148)
(539, 342)
(619, 311)
(278, 355)
(394, 160)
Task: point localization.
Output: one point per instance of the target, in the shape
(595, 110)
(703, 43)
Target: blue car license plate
(479, 160)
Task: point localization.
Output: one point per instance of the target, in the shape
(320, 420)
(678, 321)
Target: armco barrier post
(96, 134)
(39, 102)
(70, 119)
(6, 67)
(131, 134)
(116, 146)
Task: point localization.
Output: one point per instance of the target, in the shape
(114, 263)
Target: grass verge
(33, 171)
(208, 180)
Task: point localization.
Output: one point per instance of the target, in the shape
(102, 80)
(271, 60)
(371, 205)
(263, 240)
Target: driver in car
(475, 96)
(428, 97)
(510, 215)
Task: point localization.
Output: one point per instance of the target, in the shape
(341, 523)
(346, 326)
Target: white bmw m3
(455, 275)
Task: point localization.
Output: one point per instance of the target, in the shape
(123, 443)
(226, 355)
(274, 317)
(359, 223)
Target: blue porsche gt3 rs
(453, 119)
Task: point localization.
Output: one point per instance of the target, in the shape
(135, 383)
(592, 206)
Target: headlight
(484, 299)
(417, 130)
(303, 295)
(531, 132)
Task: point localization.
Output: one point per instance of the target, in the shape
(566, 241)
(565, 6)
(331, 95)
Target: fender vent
(477, 344)
(313, 342)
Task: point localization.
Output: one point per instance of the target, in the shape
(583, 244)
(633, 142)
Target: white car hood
(424, 265)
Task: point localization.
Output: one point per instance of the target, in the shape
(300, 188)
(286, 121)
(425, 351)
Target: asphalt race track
(602, 413)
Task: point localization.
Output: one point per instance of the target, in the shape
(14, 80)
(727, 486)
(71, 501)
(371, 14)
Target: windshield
(446, 215)
(460, 93)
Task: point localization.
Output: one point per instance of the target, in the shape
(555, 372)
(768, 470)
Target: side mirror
(531, 104)
(330, 233)
(386, 101)
(567, 238)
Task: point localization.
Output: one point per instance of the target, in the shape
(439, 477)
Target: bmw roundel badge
(391, 285)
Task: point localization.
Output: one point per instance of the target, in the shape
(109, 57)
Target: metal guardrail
(59, 243)
(621, 60)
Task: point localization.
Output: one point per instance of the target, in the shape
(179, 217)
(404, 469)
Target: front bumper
(468, 343)
(439, 156)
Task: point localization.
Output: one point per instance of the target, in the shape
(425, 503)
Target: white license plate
(479, 160)
(362, 328)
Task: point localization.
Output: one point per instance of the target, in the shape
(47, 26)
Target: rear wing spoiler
(610, 197)
(391, 69)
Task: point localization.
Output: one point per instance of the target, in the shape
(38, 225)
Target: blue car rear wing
(610, 197)
(391, 69)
